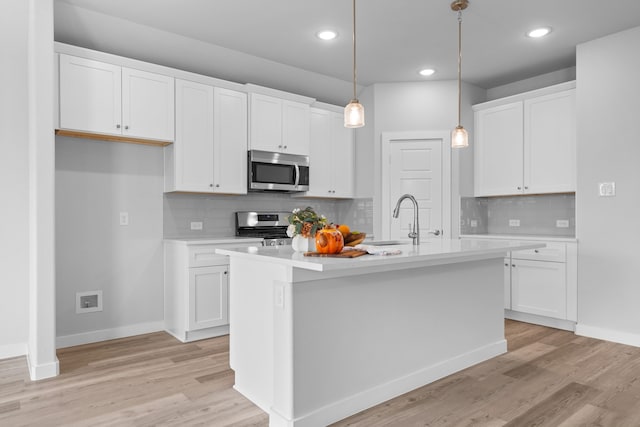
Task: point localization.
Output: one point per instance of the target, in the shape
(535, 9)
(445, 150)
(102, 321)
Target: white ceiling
(395, 37)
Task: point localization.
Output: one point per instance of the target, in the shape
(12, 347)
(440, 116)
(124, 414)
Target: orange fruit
(344, 229)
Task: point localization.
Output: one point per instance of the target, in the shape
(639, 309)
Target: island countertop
(435, 252)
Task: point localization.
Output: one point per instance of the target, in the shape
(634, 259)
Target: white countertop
(520, 237)
(214, 240)
(434, 252)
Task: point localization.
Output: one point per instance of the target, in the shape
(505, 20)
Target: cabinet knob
(519, 188)
(285, 147)
(126, 127)
(526, 188)
(217, 185)
(210, 185)
(225, 272)
(280, 146)
(536, 251)
(117, 126)
(513, 265)
(506, 265)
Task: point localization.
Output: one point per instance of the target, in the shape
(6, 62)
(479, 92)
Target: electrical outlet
(474, 223)
(562, 223)
(196, 225)
(514, 223)
(607, 189)
(124, 218)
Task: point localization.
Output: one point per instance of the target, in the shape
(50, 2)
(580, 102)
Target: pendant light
(459, 136)
(354, 111)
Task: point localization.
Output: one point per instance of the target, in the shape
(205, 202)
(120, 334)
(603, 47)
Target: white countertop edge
(214, 240)
(284, 255)
(520, 237)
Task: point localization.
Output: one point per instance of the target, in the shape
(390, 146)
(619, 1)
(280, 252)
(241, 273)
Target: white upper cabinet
(90, 95)
(550, 143)
(526, 144)
(209, 154)
(498, 150)
(278, 125)
(97, 97)
(230, 142)
(331, 170)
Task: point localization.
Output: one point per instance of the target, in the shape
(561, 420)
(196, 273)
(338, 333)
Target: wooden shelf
(112, 138)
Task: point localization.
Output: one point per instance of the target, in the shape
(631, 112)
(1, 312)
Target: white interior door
(415, 165)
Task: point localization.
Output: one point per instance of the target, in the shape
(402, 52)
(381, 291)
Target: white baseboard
(13, 350)
(339, 410)
(567, 325)
(43, 371)
(108, 334)
(608, 334)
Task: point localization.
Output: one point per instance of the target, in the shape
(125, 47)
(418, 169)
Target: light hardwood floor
(548, 378)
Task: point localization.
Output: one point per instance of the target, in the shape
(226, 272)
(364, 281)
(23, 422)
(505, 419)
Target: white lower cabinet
(196, 291)
(540, 285)
(208, 297)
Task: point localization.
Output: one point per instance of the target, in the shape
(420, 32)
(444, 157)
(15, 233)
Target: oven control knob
(273, 243)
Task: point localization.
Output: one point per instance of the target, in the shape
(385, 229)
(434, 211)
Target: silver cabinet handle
(435, 232)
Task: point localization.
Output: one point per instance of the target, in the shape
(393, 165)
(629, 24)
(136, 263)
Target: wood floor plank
(549, 378)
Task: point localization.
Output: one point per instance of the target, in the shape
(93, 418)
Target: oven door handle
(297, 169)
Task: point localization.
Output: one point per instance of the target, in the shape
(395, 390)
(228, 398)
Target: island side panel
(346, 344)
(251, 304)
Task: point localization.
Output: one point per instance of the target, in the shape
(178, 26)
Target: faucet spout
(415, 232)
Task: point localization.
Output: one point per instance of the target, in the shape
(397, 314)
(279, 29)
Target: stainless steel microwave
(271, 171)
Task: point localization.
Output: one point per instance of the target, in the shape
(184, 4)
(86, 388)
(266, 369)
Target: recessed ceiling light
(426, 72)
(327, 35)
(539, 32)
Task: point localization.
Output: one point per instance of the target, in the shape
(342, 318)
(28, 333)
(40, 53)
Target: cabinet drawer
(552, 252)
(204, 256)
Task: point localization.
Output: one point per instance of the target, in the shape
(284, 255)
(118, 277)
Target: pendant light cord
(354, 49)
(459, 62)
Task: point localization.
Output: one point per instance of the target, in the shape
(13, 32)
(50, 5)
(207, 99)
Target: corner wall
(14, 181)
(608, 151)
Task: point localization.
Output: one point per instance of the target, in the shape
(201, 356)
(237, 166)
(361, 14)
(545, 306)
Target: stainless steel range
(271, 226)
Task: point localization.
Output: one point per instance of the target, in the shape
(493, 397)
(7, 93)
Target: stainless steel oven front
(271, 171)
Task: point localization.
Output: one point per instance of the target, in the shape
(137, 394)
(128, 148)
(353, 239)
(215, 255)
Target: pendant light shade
(354, 111)
(459, 136)
(354, 114)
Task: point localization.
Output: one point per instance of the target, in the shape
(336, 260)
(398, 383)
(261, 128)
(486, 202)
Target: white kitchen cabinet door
(230, 142)
(331, 172)
(208, 297)
(320, 156)
(498, 152)
(343, 157)
(90, 96)
(550, 143)
(193, 147)
(265, 122)
(539, 287)
(147, 105)
(295, 127)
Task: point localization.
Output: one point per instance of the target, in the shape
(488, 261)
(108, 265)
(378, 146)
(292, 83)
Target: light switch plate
(196, 225)
(124, 218)
(607, 189)
(562, 223)
(474, 223)
(514, 223)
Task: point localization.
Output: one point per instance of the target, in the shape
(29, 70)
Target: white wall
(95, 181)
(14, 180)
(427, 106)
(609, 151)
(533, 83)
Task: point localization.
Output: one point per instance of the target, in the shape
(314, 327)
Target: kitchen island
(314, 340)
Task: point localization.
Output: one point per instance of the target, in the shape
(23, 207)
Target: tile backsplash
(544, 215)
(216, 212)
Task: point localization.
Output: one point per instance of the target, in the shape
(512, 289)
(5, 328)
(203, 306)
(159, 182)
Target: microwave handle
(297, 168)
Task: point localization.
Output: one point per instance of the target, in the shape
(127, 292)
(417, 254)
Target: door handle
(435, 232)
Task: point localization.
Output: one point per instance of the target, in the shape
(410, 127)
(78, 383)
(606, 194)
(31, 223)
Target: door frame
(389, 138)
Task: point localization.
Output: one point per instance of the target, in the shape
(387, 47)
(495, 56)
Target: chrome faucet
(415, 232)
